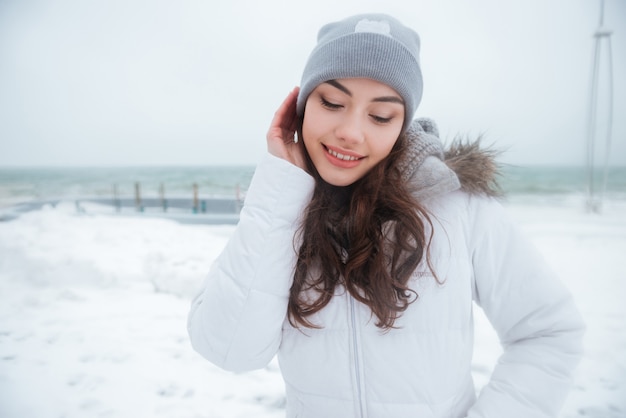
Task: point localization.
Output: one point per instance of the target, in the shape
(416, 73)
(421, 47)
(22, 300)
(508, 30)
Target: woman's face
(349, 126)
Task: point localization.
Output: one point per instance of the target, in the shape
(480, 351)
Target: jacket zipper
(357, 366)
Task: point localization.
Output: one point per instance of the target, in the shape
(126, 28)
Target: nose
(350, 129)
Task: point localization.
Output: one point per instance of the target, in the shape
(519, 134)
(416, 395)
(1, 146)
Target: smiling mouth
(342, 156)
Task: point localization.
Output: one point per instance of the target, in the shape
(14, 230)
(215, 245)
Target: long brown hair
(369, 237)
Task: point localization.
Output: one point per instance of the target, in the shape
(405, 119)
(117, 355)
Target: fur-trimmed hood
(432, 169)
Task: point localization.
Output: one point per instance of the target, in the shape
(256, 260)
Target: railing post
(116, 199)
(195, 198)
(138, 204)
(162, 197)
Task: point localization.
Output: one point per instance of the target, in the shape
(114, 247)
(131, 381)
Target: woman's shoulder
(468, 213)
(468, 206)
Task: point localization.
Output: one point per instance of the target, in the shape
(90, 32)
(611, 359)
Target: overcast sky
(145, 82)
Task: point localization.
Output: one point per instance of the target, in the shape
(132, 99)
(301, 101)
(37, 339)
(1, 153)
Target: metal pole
(609, 128)
(594, 203)
(591, 129)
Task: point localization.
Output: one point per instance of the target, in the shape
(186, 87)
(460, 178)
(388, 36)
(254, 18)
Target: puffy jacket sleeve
(236, 320)
(538, 325)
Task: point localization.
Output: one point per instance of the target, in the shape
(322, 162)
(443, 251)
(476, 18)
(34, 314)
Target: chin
(339, 180)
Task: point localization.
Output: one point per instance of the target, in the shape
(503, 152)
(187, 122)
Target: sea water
(18, 185)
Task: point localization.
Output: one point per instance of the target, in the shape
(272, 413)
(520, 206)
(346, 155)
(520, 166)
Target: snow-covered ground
(93, 314)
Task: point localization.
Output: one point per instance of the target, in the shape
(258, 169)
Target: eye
(330, 105)
(380, 119)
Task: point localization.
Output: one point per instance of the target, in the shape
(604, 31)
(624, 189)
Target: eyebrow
(385, 99)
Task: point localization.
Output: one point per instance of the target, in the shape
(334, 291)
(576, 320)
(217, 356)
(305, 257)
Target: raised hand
(280, 136)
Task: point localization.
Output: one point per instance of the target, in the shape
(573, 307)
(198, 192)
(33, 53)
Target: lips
(342, 158)
(343, 155)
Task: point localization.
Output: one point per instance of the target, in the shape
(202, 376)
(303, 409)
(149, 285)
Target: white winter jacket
(349, 367)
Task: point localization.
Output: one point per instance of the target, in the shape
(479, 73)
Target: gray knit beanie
(374, 46)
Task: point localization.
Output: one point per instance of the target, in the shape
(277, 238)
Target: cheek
(312, 126)
(307, 133)
(383, 146)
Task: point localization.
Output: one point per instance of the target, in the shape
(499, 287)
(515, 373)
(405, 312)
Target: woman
(361, 249)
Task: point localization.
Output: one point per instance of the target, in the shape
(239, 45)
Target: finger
(285, 117)
(291, 117)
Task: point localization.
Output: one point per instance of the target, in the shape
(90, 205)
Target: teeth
(341, 156)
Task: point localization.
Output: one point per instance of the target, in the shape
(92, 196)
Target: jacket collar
(433, 170)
